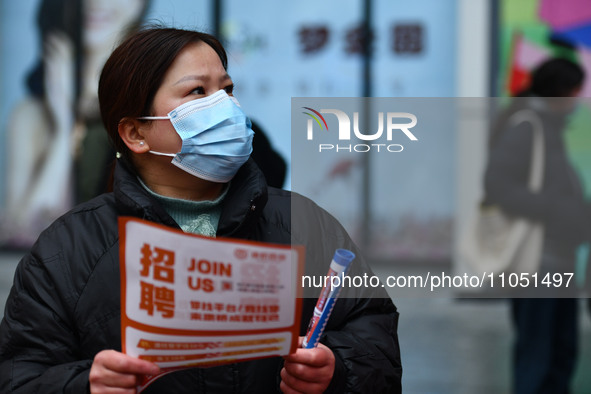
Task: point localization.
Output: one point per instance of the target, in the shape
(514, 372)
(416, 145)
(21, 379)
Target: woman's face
(196, 72)
(106, 20)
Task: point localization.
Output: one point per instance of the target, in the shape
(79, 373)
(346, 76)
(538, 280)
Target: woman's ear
(131, 134)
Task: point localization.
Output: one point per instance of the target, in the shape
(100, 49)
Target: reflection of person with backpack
(546, 328)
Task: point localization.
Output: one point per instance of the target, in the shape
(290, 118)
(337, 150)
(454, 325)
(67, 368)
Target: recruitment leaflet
(188, 300)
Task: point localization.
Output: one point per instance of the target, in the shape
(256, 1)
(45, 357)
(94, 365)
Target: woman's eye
(198, 90)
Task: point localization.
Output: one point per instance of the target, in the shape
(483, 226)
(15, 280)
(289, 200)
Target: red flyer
(194, 301)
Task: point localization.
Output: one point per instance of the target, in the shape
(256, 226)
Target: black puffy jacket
(64, 306)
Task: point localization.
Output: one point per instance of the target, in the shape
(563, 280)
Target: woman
(68, 158)
(546, 328)
(61, 326)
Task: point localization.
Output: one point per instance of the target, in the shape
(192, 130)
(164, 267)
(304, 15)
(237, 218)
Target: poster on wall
(409, 222)
(413, 193)
(55, 152)
(320, 54)
(530, 33)
(312, 50)
(533, 31)
(284, 50)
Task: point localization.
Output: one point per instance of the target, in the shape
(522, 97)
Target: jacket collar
(244, 203)
(241, 208)
(133, 200)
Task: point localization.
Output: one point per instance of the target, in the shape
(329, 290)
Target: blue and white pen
(339, 267)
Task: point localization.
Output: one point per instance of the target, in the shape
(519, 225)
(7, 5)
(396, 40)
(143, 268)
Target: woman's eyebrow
(204, 78)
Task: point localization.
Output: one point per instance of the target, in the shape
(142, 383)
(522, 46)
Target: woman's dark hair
(134, 71)
(53, 16)
(556, 77)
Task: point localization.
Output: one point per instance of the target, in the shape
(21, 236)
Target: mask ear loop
(153, 118)
(157, 118)
(162, 154)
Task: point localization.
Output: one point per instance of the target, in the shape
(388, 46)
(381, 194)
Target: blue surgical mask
(216, 134)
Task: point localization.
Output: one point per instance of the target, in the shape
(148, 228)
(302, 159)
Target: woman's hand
(115, 372)
(59, 79)
(48, 190)
(307, 370)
